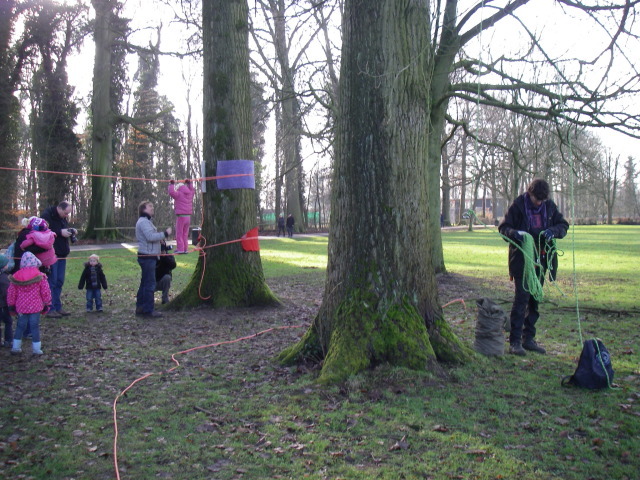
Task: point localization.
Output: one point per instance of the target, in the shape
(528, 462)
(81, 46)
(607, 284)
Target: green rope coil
(534, 272)
(530, 280)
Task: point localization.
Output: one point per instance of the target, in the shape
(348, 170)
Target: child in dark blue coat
(93, 277)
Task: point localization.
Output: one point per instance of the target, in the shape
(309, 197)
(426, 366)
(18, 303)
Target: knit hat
(29, 260)
(4, 260)
(38, 224)
(26, 222)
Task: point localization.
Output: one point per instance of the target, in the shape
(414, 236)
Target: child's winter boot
(36, 348)
(17, 347)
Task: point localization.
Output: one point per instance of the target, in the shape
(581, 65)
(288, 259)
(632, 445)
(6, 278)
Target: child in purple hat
(28, 296)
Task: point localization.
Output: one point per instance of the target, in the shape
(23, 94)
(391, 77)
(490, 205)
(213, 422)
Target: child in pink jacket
(28, 296)
(182, 193)
(42, 237)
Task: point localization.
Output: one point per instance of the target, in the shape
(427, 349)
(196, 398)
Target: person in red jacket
(28, 296)
(182, 193)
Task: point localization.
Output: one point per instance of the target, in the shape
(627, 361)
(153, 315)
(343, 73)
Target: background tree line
(421, 113)
(132, 130)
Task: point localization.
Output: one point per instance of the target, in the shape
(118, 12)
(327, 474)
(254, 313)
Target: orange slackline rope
(200, 179)
(173, 358)
(455, 301)
(199, 247)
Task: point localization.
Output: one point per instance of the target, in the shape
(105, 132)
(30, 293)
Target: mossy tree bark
(381, 302)
(11, 61)
(227, 276)
(103, 121)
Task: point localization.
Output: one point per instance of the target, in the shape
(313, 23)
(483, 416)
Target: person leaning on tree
(149, 241)
(533, 213)
(56, 216)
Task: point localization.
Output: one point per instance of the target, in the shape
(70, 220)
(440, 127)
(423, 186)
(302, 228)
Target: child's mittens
(12, 311)
(46, 309)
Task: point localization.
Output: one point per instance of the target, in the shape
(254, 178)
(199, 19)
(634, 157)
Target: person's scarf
(537, 216)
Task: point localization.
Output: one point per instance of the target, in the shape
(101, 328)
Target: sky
(562, 36)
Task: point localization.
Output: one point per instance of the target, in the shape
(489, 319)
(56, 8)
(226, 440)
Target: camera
(73, 237)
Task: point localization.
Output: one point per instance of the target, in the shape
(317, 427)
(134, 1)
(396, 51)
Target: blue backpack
(594, 367)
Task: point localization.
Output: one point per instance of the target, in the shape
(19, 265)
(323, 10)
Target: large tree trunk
(103, 120)
(381, 301)
(446, 192)
(232, 277)
(291, 127)
(9, 117)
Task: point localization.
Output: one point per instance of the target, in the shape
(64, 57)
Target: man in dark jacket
(56, 217)
(290, 223)
(533, 213)
(166, 263)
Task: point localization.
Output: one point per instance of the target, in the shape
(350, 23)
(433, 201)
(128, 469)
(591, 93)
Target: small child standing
(93, 277)
(42, 237)
(28, 295)
(183, 194)
(4, 309)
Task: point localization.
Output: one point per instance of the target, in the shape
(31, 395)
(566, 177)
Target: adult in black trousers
(166, 263)
(290, 223)
(56, 216)
(533, 213)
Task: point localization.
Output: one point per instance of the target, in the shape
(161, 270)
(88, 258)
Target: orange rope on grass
(173, 358)
(460, 300)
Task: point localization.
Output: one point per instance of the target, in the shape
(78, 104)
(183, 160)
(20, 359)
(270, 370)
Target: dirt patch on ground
(85, 334)
(82, 352)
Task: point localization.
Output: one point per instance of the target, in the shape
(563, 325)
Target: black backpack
(594, 367)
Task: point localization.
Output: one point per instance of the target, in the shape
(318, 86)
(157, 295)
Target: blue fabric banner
(235, 167)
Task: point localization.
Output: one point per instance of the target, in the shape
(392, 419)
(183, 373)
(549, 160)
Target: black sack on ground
(490, 326)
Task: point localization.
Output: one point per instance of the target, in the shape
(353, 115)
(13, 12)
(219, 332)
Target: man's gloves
(519, 236)
(548, 234)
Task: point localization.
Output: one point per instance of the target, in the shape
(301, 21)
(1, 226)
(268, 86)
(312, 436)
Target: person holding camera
(149, 248)
(56, 216)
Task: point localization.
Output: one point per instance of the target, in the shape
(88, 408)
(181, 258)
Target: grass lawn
(230, 412)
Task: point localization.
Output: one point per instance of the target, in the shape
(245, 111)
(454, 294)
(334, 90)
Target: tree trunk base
(395, 335)
(244, 293)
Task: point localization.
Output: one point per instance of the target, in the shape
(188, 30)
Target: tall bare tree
(57, 31)
(228, 275)
(380, 302)
(577, 90)
(109, 35)
(13, 56)
(286, 32)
